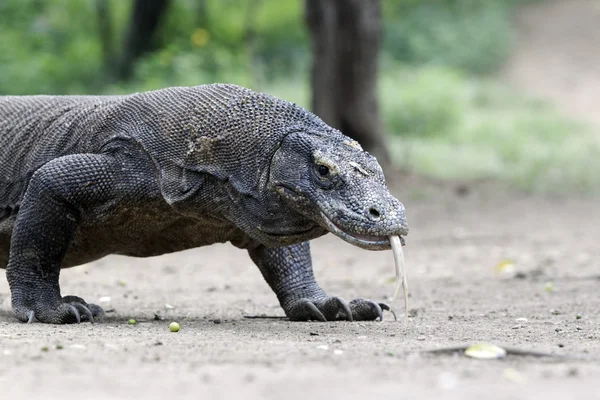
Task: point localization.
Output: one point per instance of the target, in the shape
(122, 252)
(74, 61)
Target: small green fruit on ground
(174, 327)
(132, 322)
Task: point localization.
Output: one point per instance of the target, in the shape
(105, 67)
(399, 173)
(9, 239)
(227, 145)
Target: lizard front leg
(57, 196)
(288, 271)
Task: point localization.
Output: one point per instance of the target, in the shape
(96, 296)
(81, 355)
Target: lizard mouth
(308, 232)
(364, 241)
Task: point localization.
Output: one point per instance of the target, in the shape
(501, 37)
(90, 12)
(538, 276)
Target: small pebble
(485, 351)
(421, 338)
(174, 327)
(338, 352)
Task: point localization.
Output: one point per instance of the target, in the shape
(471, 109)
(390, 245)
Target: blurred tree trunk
(105, 33)
(345, 43)
(250, 38)
(145, 18)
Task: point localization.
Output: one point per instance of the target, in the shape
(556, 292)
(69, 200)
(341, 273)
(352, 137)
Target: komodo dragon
(163, 171)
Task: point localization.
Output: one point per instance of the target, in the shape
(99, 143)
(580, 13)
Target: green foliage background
(444, 115)
(54, 47)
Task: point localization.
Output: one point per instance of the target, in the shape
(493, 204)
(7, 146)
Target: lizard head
(328, 178)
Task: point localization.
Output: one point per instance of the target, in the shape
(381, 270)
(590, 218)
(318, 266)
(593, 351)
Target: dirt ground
(456, 293)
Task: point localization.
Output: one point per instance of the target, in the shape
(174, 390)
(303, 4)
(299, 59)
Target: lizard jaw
(363, 241)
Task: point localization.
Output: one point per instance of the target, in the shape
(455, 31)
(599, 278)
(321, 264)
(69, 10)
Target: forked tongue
(400, 277)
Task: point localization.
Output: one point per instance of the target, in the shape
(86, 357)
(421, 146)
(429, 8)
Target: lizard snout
(391, 215)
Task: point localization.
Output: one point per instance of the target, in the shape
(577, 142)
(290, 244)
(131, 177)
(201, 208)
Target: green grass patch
(471, 35)
(444, 125)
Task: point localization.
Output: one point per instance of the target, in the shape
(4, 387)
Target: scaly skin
(179, 168)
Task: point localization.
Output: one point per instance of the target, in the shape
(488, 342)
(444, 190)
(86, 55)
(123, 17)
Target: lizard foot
(367, 310)
(334, 309)
(68, 310)
(94, 310)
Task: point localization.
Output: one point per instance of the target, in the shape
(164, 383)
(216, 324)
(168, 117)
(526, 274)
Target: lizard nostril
(374, 213)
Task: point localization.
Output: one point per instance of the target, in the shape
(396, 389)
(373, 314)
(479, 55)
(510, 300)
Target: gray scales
(82, 177)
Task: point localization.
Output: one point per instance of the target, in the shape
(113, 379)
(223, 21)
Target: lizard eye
(323, 171)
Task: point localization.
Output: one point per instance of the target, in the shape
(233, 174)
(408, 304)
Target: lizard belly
(139, 233)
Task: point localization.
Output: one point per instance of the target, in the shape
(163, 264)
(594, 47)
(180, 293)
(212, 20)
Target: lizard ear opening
(178, 184)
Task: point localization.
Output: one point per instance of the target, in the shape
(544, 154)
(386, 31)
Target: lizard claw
(73, 311)
(304, 310)
(30, 315)
(83, 310)
(87, 311)
(336, 308)
(323, 309)
(367, 310)
(314, 311)
(385, 307)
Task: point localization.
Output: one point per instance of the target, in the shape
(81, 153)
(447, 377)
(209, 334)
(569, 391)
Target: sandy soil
(457, 298)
